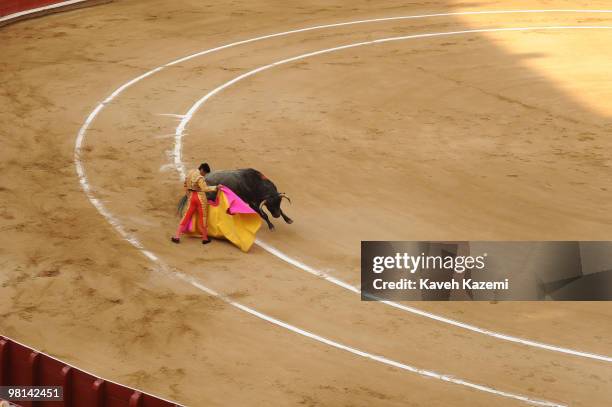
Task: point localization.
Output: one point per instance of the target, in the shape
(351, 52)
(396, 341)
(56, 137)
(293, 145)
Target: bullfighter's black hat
(204, 167)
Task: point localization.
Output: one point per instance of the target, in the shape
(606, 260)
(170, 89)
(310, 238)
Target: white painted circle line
(164, 269)
(179, 134)
(83, 180)
(377, 358)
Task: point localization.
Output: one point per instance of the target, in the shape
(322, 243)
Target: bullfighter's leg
(185, 221)
(202, 221)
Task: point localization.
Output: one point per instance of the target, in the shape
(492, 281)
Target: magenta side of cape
(236, 205)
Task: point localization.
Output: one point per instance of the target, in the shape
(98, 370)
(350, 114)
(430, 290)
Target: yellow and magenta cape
(229, 217)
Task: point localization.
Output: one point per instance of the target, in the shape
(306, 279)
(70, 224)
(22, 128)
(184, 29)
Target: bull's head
(273, 204)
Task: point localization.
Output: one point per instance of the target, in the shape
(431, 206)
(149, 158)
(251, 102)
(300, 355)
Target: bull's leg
(263, 215)
(286, 218)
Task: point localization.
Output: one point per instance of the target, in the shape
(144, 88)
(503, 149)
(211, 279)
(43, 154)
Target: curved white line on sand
(136, 243)
(377, 358)
(177, 153)
(164, 269)
(180, 130)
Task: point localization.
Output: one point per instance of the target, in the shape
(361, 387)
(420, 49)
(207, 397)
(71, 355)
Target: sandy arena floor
(484, 135)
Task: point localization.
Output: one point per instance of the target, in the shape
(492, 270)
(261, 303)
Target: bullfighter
(195, 192)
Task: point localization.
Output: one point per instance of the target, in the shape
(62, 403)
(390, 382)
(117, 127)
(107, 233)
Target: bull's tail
(180, 208)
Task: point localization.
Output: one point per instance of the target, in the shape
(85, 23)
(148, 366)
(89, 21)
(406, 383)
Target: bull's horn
(282, 195)
(261, 204)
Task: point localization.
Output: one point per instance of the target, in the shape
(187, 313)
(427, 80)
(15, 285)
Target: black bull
(253, 188)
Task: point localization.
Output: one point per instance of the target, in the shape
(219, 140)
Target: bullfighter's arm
(204, 187)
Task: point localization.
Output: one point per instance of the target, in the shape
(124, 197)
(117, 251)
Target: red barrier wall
(22, 366)
(15, 6)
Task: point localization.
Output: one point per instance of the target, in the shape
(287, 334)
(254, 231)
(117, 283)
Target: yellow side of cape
(240, 228)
